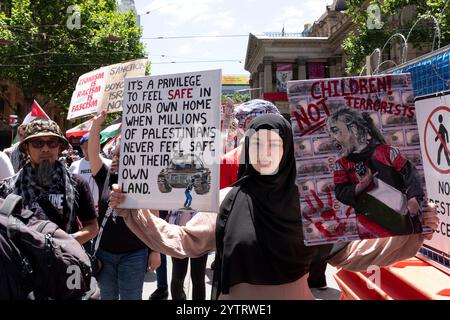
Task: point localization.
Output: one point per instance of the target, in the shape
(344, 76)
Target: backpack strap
(109, 212)
(12, 205)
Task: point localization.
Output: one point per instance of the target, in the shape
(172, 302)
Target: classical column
(301, 65)
(254, 84)
(332, 67)
(268, 86)
(259, 93)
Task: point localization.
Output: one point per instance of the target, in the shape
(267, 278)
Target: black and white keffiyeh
(18, 159)
(24, 183)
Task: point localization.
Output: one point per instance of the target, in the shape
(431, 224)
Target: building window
(316, 70)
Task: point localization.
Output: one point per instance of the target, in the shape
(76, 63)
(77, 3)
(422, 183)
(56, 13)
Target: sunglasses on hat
(38, 143)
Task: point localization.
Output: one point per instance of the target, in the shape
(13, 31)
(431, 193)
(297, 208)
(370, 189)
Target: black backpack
(38, 259)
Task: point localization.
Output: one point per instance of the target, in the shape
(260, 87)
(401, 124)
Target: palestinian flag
(108, 147)
(110, 132)
(36, 113)
(384, 211)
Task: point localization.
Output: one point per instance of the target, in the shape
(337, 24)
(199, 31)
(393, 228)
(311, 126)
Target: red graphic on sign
(327, 213)
(440, 139)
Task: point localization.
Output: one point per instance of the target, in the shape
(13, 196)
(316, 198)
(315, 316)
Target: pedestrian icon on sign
(442, 136)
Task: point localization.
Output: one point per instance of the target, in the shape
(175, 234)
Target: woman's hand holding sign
(430, 219)
(413, 206)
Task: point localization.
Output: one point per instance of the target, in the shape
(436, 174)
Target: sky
(212, 18)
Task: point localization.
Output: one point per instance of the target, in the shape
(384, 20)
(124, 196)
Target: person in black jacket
(124, 257)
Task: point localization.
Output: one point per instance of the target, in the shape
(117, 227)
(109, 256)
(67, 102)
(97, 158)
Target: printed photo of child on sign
(360, 173)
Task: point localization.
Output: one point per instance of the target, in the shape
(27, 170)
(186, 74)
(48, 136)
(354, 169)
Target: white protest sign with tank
(170, 146)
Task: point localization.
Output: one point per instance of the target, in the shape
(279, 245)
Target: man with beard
(47, 187)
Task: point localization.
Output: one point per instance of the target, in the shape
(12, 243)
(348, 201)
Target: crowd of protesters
(260, 253)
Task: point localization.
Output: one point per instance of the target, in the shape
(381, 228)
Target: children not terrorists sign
(170, 141)
(359, 167)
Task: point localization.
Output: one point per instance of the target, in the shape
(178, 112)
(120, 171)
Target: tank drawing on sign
(182, 169)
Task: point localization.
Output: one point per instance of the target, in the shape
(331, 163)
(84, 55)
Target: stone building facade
(314, 53)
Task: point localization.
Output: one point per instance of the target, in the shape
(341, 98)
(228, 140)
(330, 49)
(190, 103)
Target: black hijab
(259, 231)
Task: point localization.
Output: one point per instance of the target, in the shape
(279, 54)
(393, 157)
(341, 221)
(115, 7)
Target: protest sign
(103, 88)
(359, 164)
(170, 141)
(433, 120)
(86, 99)
(116, 73)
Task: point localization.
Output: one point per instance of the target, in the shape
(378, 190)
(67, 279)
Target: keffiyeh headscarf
(17, 157)
(24, 184)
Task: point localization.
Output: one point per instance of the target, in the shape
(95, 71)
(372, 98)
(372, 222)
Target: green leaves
(396, 16)
(46, 57)
(237, 97)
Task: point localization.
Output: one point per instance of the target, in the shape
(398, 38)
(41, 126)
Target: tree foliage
(44, 49)
(237, 97)
(364, 40)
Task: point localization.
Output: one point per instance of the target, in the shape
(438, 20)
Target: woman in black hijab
(257, 234)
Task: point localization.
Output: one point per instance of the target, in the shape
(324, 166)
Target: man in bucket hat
(47, 187)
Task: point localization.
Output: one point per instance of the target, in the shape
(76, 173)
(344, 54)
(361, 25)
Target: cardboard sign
(358, 157)
(433, 120)
(117, 73)
(170, 143)
(103, 88)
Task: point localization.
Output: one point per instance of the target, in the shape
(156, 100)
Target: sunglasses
(38, 144)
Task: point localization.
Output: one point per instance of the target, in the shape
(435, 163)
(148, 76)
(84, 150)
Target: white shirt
(83, 168)
(6, 168)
